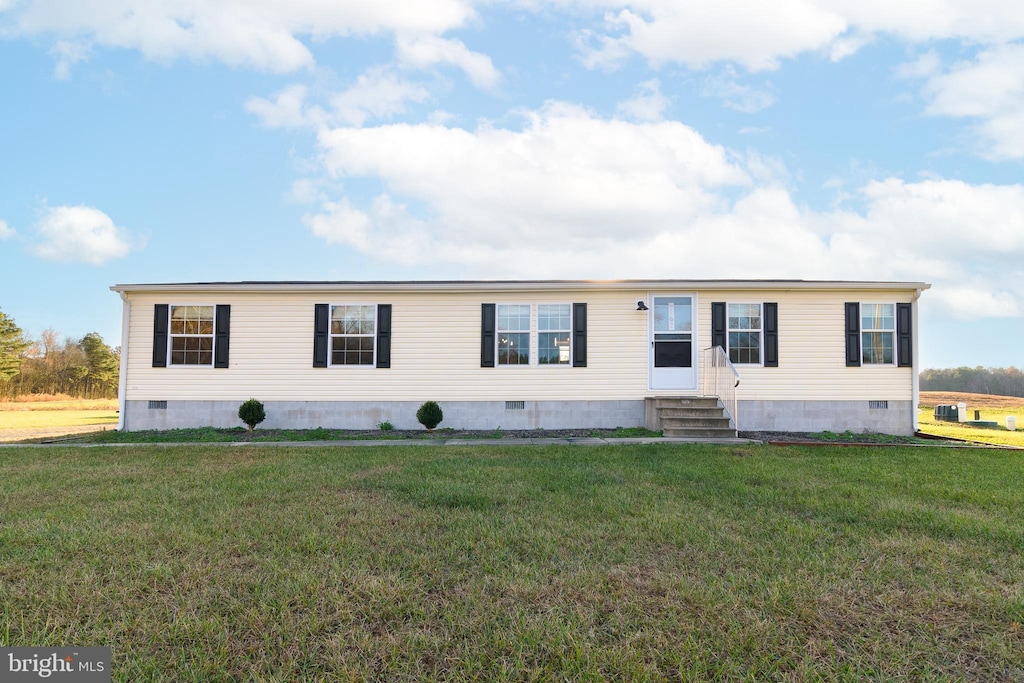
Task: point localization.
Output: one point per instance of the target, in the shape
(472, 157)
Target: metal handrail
(719, 378)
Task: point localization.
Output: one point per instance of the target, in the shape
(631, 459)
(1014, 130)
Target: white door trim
(671, 378)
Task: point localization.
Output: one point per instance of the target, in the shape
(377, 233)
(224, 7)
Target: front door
(672, 355)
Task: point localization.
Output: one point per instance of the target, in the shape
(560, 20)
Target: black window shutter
(904, 336)
(579, 335)
(222, 338)
(487, 326)
(771, 335)
(718, 325)
(160, 319)
(383, 335)
(852, 334)
(321, 322)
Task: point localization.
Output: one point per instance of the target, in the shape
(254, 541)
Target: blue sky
(145, 141)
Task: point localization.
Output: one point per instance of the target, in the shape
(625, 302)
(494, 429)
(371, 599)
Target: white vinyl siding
(812, 350)
(279, 366)
(435, 352)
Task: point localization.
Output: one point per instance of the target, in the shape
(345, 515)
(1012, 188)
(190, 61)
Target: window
(513, 334)
(554, 325)
(191, 335)
(877, 329)
(744, 327)
(353, 331)
(533, 334)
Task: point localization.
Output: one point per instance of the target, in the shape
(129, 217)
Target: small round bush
(251, 413)
(429, 415)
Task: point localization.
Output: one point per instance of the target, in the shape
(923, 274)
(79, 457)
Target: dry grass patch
(930, 399)
(23, 420)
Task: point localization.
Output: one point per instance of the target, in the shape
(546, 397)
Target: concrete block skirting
(896, 417)
(481, 415)
(883, 417)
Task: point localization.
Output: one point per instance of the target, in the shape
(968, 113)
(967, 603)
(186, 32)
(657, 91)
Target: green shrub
(385, 426)
(251, 413)
(430, 415)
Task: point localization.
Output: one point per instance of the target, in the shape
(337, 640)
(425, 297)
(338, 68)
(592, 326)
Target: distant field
(982, 401)
(994, 408)
(30, 420)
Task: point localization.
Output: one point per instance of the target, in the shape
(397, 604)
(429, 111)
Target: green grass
(518, 563)
(222, 435)
(929, 425)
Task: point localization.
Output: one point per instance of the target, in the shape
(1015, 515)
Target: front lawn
(515, 562)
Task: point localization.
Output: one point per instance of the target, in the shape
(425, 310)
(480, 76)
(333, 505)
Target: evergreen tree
(12, 346)
(103, 366)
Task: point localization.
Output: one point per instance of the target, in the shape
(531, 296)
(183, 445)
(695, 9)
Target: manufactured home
(698, 357)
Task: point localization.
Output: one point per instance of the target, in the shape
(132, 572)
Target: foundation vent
(515, 405)
(878, 405)
(158, 405)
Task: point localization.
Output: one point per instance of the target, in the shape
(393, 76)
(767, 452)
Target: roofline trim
(515, 285)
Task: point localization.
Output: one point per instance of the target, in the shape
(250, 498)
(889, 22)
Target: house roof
(515, 285)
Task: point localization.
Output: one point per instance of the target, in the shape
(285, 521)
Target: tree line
(80, 368)
(979, 380)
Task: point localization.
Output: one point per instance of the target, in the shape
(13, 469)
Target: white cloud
(570, 194)
(925, 66)
(6, 231)
(68, 54)
(263, 34)
(273, 36)
(567, 173)
(80, 234)
(989, 90)
(286, 110)
(977, 21)
(600, 51)
(425, 51)
(387, 228)
(757, 35)
(751, 33)
(378, 93)
(726, 87)
(306, 191)
(647, 103)
(930, 230)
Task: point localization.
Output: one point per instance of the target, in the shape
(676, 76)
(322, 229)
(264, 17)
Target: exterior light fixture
(641, 306)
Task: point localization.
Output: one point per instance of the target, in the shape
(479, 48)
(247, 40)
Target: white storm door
(672, 352)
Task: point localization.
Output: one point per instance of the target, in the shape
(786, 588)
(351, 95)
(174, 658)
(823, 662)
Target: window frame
(533, 335)
(760, 332)
(875, 330)
(331, 336)
(171, 336)
(530, 357)
(568, 331)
